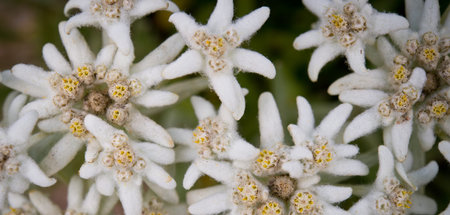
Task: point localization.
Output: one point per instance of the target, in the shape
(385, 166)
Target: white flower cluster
(98, 104)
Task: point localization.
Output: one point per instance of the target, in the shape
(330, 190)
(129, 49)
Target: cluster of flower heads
(97, 103)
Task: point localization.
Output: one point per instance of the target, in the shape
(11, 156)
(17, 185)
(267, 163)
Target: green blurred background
(26, 25)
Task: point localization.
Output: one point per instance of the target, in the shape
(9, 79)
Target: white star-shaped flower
(77, 202)
(113, 16)
(344, 27)
(122, 163)
(213, 51)
(17, 168)
(215, 138)
(390, 196)
(71, 89)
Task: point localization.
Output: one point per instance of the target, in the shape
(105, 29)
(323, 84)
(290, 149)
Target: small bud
(117, 114)
(412, 46)
(349, 8)
(430, 38)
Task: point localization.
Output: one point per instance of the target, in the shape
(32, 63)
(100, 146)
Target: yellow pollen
(400, 73)
(338, 21)
(69, 84)
(430, 54)
(267, 159)
(83, 71)
(439, 109)
(116, 114)
(402, 101)
(120, 90)
(77, 128)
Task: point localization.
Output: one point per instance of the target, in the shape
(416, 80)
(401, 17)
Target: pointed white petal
(363, 124)
(189, 62)
(75, 192)
(191, 176)
(119, 32)
(422, 205)
(156, 98)
(321, 56)
(300, 152)
(221, 16)
(363, 206)
(148, 129)
(219, 170)
(401, 133)
(31, 74)
(413, 9)
(76, 46)
(363, 98)
(170, 196)
(294, 168)
(430, 17)
(426, 135)
(308, 181)
(229, 92)
(387, 51)
(318, 7)
(199, 194)
(333, 194)
(250, 23)
(106, 55)
(55, 60)
(418, 78)
(424, 175)
(105, 184)
(202, 108)
(333, 122)
(444, 147)
(53, 124)
(91, 202)
(44, 107)
(356, 58)
(156, 153)
(93, 148)
(252, 61)
(211, 205)
(345, 150)
(159, 176)
(305, 118)
(15, 83)
(89, 170)
(309, 39)
(61, 154)
(185, 154)
(130, 196)
(185, 24)
(172, 7)
(386, 167)
(19, 132)
(102, 130)
(383, 23)
(143, 8)
(30, 170)
(347, 167)
(43, 204)
(298, 135)
(181, 135)
(270, 126)
(163, 54)
(76, 4)
(373, 79)
(242, 150)
(12, 107)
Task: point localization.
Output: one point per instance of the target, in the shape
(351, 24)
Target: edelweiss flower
(122, 163)
(345, 26)
(213, 51)
(328, 155)
(76, 202)
(390, 196)
(18, 205)
(114, 17)
(390, 107)
(100, 86)
(215, 138)
(17, 169)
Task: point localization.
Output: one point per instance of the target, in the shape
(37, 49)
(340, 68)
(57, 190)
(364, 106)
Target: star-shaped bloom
(390, 196)
(388, 106)
(344, 27)
(107, 86)
(213, 51)
(113, 16)
(17, 168)
(123, 163)
(77, 203)
(215, 138)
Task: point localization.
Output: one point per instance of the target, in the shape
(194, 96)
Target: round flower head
(213, 50)
(344, 26)
(108, 86)
(122, 163)
(114, 17)
(215, 138)
(390, 196)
